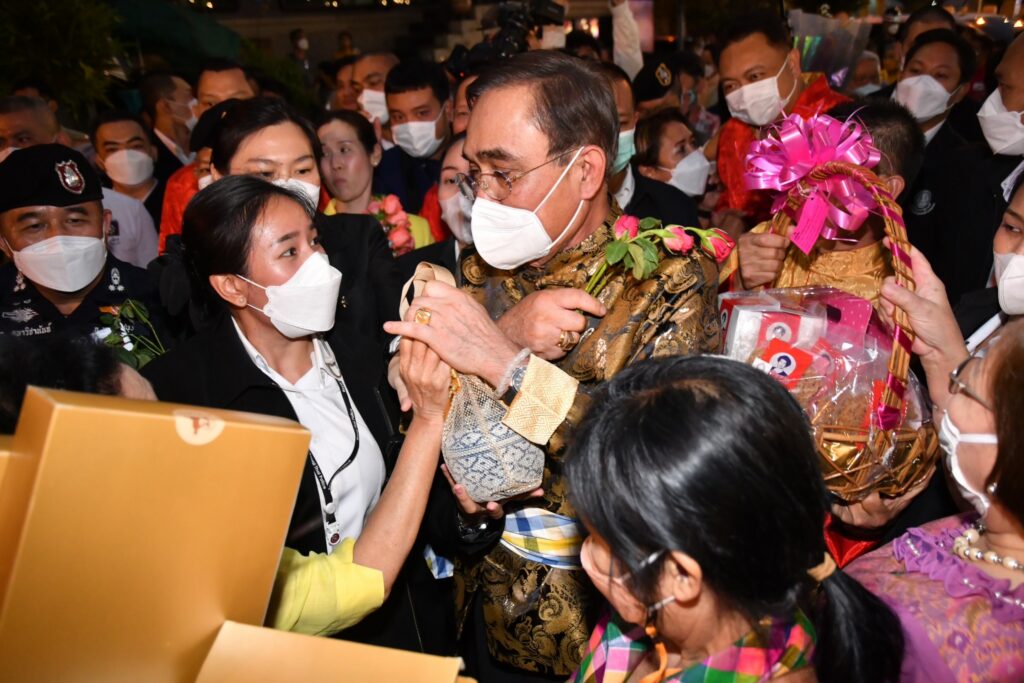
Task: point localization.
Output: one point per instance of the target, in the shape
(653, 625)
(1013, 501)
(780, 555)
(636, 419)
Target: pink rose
(398, 219)
(722, 243)
(626, 225)
(373, 208)
(391, 205)
(400, 238)
(681, 242)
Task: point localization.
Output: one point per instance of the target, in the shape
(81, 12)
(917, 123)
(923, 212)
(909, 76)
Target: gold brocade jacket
(539, 618)
(859, 271)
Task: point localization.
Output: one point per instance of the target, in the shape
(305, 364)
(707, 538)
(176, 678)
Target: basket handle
(890, 409)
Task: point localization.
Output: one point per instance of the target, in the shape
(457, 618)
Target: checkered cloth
(776, 649)
(545, 537)
(441, 567)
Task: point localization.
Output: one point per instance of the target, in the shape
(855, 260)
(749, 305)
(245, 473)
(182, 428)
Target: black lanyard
(325, 484)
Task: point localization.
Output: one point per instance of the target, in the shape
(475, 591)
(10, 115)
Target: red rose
(626, 225)
(681, 242)
(722, 244)
(373, 208)
(401, 239)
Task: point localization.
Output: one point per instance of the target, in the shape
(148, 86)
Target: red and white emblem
(70, 177)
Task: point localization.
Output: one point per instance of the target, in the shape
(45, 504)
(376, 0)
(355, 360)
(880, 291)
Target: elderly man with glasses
(540, 142)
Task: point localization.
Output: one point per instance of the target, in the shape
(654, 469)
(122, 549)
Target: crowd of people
(431, 233)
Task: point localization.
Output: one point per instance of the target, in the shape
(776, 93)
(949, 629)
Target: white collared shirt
(625, 193)
(177, 151)
(929, 135)
(318, 405)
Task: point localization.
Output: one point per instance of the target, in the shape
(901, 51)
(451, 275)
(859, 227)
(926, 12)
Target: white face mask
(374, 103)
(950, 439)
(867, 89)
(418, 138)
(308, 190)
(1009, 271)
(691, 173)
(759, 103)
(553, 38)
(1003, 129)
(302, 43)
(129, 167)
(625, 150)
(923, 96)
(64, 263)
(456, 212)
(204, 181)
(189, 119)
(507, 237)
(307, 302)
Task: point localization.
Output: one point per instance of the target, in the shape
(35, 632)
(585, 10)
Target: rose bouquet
(395, 222)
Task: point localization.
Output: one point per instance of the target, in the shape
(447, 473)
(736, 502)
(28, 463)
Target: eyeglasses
(957, 386)
(497, 184)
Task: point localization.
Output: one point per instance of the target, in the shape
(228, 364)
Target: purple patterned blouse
(960, 624)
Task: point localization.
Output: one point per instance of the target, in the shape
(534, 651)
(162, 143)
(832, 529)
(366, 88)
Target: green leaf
(649, 223)
(636, 253)
(638, 270)
(615, 251)
(106, 320)
(650, 250)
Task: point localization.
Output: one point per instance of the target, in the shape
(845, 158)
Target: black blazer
(438, 253)
(655, 199)
(370, 282)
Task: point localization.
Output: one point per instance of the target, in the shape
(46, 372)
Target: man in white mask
(127, 156)
(762, 81)
(636, 193)
(540, 143)
(52, 227)
(169, 108)
(939, 208)
(420, 109)
(369, 73)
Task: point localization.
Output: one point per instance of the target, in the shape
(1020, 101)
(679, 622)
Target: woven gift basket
(825, 162)
(488, 458)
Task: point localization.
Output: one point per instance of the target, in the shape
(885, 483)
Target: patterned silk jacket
(539, 618)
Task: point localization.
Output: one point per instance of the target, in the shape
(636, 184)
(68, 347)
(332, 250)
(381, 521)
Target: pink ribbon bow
(783, 162)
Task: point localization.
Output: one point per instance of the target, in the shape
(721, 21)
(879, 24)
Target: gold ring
(423, 316)
(567, 340)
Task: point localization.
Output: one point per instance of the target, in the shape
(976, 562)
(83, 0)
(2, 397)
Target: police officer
(61, 278)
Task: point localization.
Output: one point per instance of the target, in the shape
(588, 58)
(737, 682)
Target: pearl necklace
(963, 546)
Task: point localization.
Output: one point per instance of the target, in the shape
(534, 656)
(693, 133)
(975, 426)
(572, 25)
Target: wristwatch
(514, 385)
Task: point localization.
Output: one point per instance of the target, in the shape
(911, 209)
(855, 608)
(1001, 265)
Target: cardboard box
(131, 530)
(249, 654)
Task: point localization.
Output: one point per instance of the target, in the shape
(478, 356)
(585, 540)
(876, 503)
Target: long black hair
(713, 458)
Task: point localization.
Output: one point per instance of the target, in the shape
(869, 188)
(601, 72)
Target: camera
(516, 20)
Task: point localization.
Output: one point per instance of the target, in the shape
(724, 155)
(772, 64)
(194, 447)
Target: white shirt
(625, 193)
(173, 147)
(929, 135)
(133, 237)
(318, 404)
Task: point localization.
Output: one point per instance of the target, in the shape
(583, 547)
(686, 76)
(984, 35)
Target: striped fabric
(440, 566)
(545, 537)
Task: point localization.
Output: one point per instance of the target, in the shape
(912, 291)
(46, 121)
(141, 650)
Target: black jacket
(654, 199)
(213, 370)
(438, 253)
(945, 214)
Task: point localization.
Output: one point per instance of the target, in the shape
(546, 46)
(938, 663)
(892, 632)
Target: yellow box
(248, 654)
(131, 530)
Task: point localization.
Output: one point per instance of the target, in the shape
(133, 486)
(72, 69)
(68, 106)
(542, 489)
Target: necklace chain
(964, 546)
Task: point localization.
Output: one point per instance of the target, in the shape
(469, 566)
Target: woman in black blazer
(253, 258)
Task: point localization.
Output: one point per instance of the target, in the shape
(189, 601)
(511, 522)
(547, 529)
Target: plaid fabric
(441, 567)
(545, 537)
(616, 648)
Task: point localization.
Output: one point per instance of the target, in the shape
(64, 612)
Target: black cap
(47, 175)
(653, 82)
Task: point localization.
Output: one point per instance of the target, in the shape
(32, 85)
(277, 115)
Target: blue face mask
(625, 151)
(867, 89)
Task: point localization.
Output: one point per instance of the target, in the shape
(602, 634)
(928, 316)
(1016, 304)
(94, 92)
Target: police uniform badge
(663, 75)
(71, 179)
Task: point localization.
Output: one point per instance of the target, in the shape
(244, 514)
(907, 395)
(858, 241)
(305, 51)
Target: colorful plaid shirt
(777, 648)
